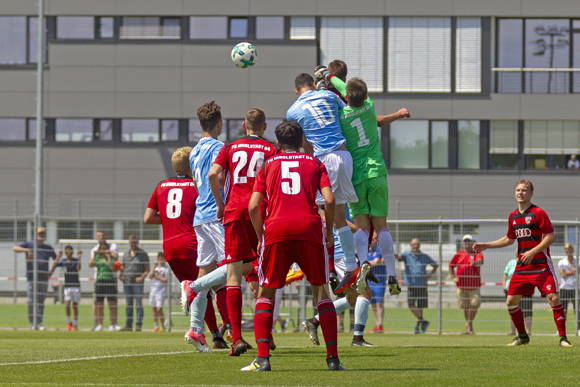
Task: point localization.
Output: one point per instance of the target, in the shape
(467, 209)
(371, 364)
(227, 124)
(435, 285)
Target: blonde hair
(569, 246)
(526, 182)
(180, 161)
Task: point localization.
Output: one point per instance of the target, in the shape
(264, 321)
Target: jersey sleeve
(221, 158)
(215, 152)
(153, 201)
(544, 223)
(260, 183)
(453, 262)
(324, 181)
(338, 84)
(511, 234)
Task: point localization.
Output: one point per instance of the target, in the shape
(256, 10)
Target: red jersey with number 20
(241, 160)
(290, 181)
(528, 228)
(174, 199)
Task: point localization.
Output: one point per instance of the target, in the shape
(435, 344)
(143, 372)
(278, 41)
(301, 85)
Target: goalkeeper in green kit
(359, 122)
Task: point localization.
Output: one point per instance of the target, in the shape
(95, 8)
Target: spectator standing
(468, 280)
(45, 253)
(526, 301)
(101, 238)
(416, 278)
(379, 269)
(105, 286)
(72, 286)
(573, 163)
(567, 268)
(134, 270)
(158, 291)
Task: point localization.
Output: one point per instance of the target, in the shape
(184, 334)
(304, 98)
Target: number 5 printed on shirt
(293, 186)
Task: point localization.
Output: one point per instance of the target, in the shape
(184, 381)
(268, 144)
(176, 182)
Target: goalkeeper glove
(321, 72)
(321, 85)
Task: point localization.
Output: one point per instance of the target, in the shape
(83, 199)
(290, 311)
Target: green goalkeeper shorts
(373, 198)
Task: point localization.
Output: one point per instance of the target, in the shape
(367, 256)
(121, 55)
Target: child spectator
(158, 292)
(72, 285)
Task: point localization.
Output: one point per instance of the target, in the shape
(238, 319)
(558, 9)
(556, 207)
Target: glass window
(235, 130)
(107, 226)
(270, 128)
(76, 130)
(141, 230)
(71, 229)
(140, 130)
(270, 27)
(75, 27)
(150, 28)
(12, 40)
(503, 144)
(195, 131)
(439, 144)
(359, 42)
(468, 145)
(32, 129)
(210, 27)
(238, 28)
(303, 28)
(410, 144)
(33, 40)
(107, 27)
(468, 55)
(576, 58)
(509, 54)
(105, 130)
(169, 130)
(7, 230)
(551, 137)
(419, 58)
(13, 129)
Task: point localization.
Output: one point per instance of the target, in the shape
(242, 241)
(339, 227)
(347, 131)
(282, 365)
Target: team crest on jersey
(549, 287)
(528, 219)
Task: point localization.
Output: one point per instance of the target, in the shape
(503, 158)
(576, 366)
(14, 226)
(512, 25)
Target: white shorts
(210, 243)
(338, 165)
(72, 294)
(339, 267)
(157, 300)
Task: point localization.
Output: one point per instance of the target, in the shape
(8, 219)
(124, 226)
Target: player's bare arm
(502, 242)
(256, 215)
(214, 183)
(527, 257)
(329, 213)
(151, 216)
(386, 120)
(307, 146)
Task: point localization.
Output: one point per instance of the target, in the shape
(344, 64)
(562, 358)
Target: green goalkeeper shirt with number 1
(359, 127)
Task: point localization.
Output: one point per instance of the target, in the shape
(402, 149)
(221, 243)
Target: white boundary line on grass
(113, 357)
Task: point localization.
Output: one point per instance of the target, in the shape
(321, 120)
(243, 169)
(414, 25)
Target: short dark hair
(338, 68)
(209, 115)
(303, 80)
(356, 92)
(255, 119)
(68, 247)
(289, 135)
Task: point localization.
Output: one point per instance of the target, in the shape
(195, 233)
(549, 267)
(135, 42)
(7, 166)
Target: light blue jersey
(317, 113)
(200, 160)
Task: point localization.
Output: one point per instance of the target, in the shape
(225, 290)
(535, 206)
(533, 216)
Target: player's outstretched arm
(502, 242)
(214, 183)
(329, 207)
(386, 120)
(151, 216)
(338, 84)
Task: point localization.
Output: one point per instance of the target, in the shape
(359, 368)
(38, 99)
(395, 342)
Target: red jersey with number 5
(241, 160)
(289, 181)
(174, 199)
(528, 228)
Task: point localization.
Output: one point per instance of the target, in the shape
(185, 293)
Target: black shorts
(106, 288)
(417, 297)
(526, 305)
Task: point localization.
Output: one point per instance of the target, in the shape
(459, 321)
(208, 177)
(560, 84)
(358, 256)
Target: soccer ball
(244, 55)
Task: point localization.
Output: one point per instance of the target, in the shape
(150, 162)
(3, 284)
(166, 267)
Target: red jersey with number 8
(241, 160)
(174, 199)
(290, 181)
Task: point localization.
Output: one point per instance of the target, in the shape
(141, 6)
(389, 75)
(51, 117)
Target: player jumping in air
(317, 113)
(172, 205)
(533, 230)
(293, 232)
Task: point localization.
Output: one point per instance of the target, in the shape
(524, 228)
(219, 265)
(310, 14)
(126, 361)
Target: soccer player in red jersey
(293, 233)
(532, 228)
(172, 205)
(240, 161)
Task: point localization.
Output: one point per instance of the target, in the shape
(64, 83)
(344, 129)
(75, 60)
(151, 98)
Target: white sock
(361, 315)
(387, 251)
(68, 319)
(361, 245)
(76, 323)
(340, 306)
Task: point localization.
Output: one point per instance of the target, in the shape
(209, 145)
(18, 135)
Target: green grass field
(162, 359)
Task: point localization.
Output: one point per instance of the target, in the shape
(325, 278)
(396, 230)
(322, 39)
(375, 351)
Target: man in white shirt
(567, 268)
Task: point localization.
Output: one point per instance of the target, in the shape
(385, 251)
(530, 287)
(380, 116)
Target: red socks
(517, 317)
(234, 301)
(221, 300)
(209, 317)
(327, 319)
(560, 319)
(263, 322)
